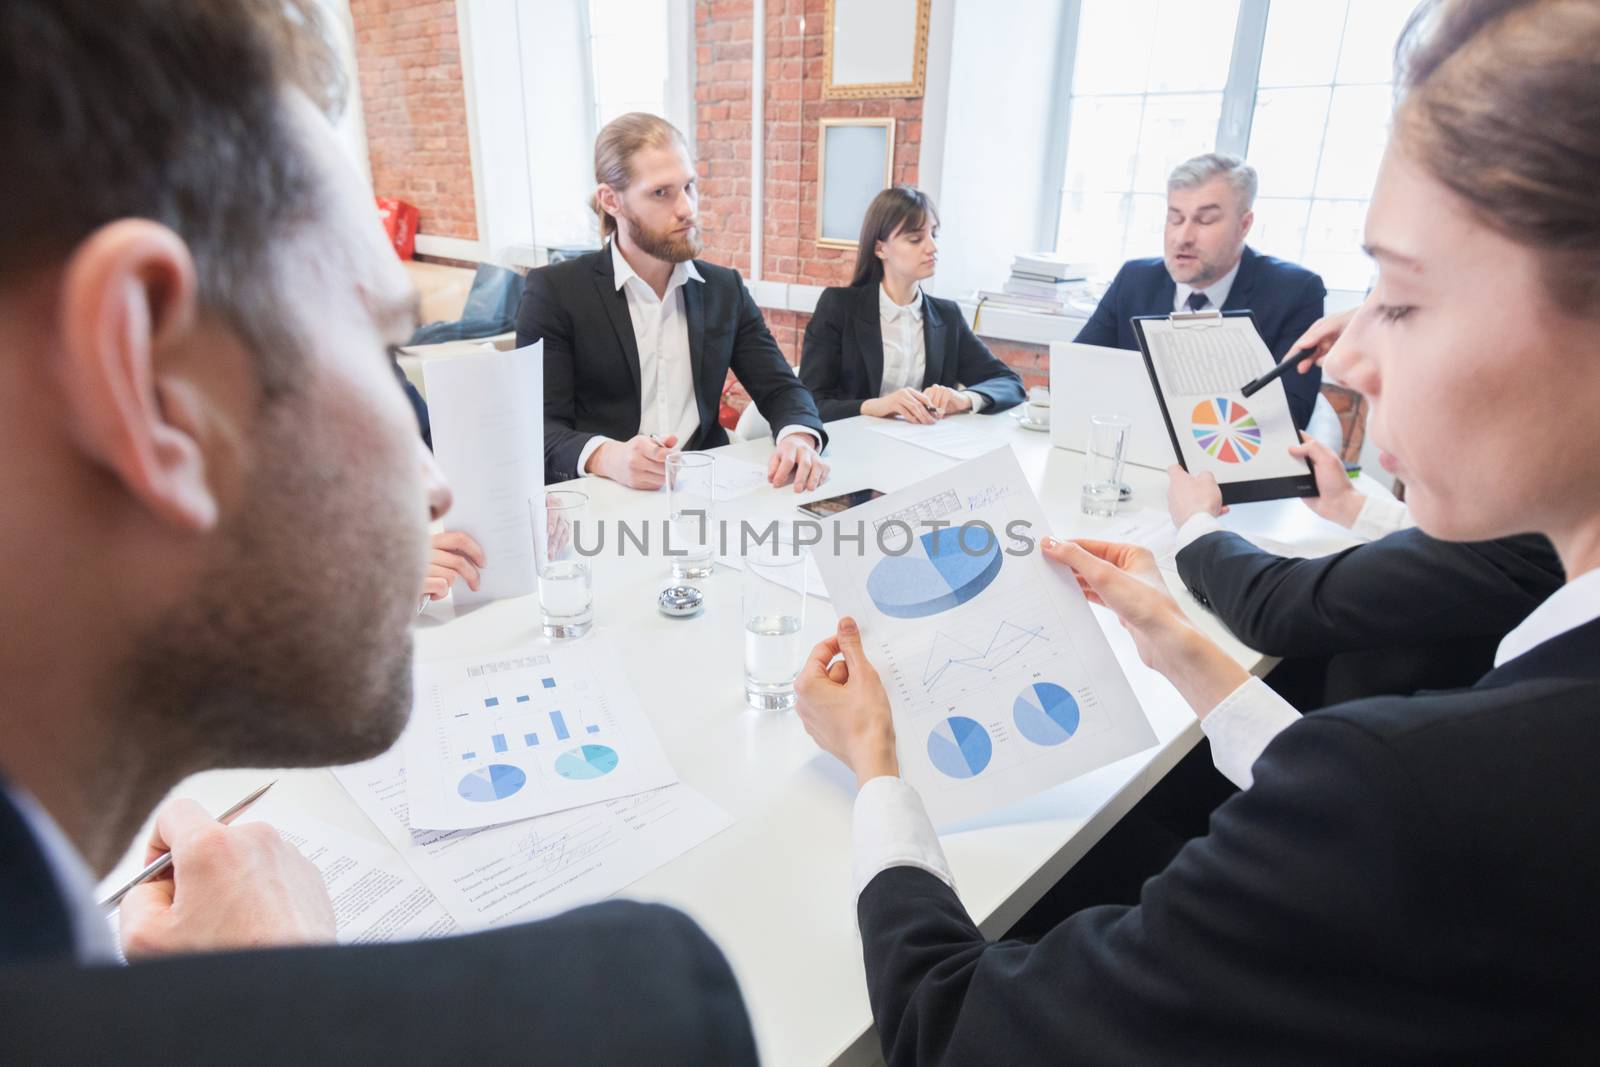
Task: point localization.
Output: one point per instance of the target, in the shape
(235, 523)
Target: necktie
(1197, 301)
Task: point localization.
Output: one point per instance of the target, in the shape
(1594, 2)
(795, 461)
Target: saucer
(1028, 424)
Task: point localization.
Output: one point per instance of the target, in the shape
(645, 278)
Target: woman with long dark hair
(881, 346)
(1400, 879)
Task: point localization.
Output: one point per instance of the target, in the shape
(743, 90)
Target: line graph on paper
(960, 654)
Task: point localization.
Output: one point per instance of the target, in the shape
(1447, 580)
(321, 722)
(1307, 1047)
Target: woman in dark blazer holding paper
(881, 346)
(1400, 879)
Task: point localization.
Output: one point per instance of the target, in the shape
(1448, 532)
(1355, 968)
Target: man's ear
(1245, 222)
(609, 201)
(128, 293)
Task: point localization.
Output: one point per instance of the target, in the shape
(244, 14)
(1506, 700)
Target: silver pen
(165, 859)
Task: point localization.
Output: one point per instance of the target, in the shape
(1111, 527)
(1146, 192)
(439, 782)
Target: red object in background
(400, 223)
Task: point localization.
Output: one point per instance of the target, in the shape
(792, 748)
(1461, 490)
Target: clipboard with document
(1198, 363)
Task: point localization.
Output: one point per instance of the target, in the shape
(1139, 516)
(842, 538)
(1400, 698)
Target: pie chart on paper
(1226, 430)
(494, 782)
(586, 761)
(960, 747)
(941, 571)
(1046, 714)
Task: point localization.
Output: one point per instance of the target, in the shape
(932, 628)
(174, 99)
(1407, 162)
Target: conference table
(775, 889)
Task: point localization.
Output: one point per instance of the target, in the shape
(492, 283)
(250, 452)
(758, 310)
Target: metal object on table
(680, 601)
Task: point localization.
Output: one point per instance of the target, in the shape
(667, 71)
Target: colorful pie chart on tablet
(944, 568)
(1226, 430)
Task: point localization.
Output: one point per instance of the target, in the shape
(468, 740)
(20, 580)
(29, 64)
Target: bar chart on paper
(525, 733)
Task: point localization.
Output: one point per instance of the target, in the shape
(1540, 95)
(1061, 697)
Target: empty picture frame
(874, 48)
(855, 159)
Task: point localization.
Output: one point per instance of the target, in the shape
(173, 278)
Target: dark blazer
(1403, 613)
(419, 406)
(842, 361)
(612, 983)
(591, 359)
(1284, 299)
(1408, 880)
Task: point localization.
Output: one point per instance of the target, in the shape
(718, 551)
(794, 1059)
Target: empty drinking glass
(1108, 444)
(691, 486)
(774, 610)
(566, 589)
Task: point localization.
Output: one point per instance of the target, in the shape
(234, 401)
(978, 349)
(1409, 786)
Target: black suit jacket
(1402, 613)
(842, 361)
(591, 359)
(612, 983)
(1408, 880)
(1285, 300)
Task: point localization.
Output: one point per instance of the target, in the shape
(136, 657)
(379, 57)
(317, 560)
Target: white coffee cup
(1037, 408)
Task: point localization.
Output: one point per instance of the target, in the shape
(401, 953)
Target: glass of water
(691, 487)
(773, 608)
(566, 579)
(1102, 482)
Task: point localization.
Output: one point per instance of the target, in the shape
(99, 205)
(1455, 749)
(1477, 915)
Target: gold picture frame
(841, 204)
(860, 90)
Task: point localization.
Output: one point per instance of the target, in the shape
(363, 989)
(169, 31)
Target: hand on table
(638, 463)
(1125, 579)
(796, 457)
(455, 555)
(230, 887)
(844, 706)
(910, 404)
(1337, 500)
(1189, 495)
(946, 400)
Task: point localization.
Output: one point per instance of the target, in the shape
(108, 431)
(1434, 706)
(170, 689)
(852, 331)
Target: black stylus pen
(1277, 372)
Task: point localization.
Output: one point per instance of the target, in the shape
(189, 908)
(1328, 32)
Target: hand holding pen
(229, 887)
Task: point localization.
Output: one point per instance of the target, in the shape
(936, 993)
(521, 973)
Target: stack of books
(1040, 281)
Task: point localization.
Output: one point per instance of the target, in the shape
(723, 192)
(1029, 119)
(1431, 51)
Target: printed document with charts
(1001, 681)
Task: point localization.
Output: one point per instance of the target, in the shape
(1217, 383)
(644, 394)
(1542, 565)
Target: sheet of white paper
(534, 868)
(526, 732)
(486, 411)
(956, 436)
(1201, 369)
(376, 896)
(1001, 681)
(738, 477)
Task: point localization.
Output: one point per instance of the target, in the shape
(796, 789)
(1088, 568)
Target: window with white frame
(1152, 81)
(628, 45)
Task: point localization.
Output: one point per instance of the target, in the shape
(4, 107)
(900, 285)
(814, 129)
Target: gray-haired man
(1207, 265)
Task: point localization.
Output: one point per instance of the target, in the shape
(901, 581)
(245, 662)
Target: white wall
(993, 175)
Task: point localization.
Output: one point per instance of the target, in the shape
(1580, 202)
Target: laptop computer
(1090, 380)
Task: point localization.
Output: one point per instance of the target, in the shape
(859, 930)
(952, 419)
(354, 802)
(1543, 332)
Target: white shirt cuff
(1195, 527)
(978, 400)
(808, 431)
(892, 830)
(1379, 517)
(589, 448)
(1243, 725)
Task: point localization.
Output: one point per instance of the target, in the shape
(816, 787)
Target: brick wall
(723, 35)
(408, 60)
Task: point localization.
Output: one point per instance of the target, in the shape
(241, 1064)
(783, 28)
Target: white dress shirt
(667, 402)
(905, 347)
(1217, 292)
(892, 828)
(92, 939)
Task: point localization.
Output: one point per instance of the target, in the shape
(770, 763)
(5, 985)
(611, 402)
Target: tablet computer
(1198, 363)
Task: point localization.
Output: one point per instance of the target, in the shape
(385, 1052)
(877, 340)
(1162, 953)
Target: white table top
(774, 890)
